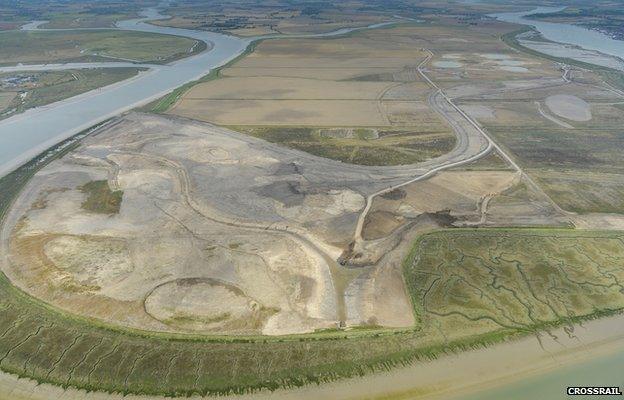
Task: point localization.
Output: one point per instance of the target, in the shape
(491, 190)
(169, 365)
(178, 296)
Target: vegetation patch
(100, 198)
(363, 146)
(524, 280)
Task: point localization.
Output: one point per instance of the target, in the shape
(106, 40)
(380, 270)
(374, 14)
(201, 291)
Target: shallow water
(566, 33)
(603, 371)
(447, 64)
(513, 68)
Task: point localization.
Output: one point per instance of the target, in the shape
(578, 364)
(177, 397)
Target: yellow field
(365, 80)
(285, 88)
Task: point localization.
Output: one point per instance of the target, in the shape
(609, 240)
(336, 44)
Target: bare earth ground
(199, 195)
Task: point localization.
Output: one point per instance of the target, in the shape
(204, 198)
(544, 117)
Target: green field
(31, 47)
(51, 86)
(70, 13)
(82, 19)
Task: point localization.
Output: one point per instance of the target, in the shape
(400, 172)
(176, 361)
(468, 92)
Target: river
(566, 33)
(601, 371)
(25, 135)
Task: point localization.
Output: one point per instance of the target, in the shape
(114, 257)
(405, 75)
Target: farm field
(351, 99)
(40, 88)
(68, 14)
(31, 47)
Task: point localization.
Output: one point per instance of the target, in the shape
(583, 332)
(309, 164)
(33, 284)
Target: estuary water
(27, 134)
(566, 33)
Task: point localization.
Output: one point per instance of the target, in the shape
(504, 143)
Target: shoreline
(449, 377)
